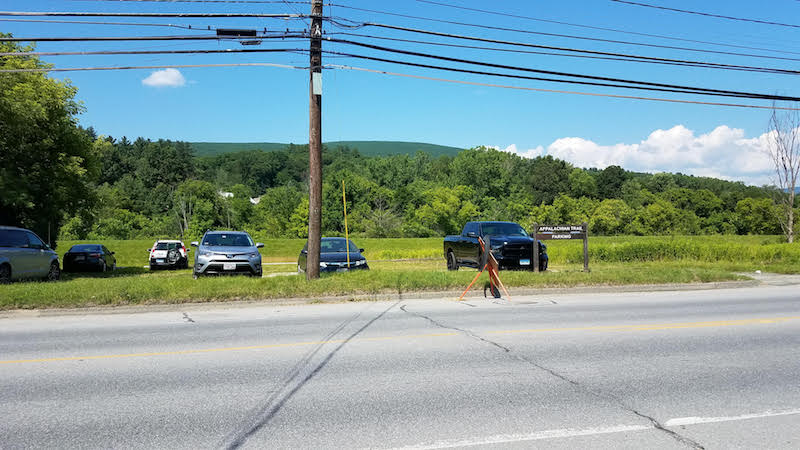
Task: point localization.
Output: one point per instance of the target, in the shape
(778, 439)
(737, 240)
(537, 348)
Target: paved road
(711, 369)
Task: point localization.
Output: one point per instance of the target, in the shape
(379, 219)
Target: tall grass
(602, 249)
(143, 287)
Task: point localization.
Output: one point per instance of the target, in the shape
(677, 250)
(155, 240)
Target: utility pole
(315, 143)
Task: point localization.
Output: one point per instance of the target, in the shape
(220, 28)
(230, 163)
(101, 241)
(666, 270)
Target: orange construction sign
(488, 263)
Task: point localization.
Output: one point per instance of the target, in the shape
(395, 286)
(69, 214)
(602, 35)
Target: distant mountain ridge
(366, 148)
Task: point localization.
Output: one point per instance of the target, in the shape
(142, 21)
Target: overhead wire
(337, 21)
(136, 38)
(126, 14)
(557, 80)
(629, 58)
(157, 52)
(592, 27)
(273, 2)
(593, 94)
(85, 22)
(551, 72)
(699, 13)
(171, 66)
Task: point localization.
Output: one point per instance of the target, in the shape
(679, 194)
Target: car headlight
(203, 253)
(254, 255)
(323, 265)
(361, 263)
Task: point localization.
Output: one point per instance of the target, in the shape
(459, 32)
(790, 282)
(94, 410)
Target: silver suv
(24, 255)
(227, 252)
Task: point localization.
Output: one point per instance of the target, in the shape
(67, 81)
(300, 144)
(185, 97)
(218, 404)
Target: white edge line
(547, 434)
(698, 420)
(574, 432)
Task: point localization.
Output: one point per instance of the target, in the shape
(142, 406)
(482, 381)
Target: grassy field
(613, 260)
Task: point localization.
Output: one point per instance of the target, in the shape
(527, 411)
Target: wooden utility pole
(315, 143)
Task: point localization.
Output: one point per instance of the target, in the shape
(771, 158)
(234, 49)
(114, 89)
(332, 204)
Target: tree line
(150, 188)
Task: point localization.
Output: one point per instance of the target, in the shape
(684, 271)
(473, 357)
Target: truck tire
(452, 264)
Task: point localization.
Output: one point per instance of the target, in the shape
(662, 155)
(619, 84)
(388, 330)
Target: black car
(89, 257)
(510, 244)
(333, 256)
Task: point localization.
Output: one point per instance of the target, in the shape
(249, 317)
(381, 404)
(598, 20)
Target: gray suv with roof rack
(227, 252)
(24, 255)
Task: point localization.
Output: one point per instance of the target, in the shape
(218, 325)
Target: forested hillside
(159, 188)
(366, 148)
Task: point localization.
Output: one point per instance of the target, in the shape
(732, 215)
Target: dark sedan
(333, 256)
(89, 257)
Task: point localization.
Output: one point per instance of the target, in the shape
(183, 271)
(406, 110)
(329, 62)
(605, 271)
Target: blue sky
(241, 104)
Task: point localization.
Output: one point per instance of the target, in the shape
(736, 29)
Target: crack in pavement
(187, 318)
(265, 414)
(602, 395)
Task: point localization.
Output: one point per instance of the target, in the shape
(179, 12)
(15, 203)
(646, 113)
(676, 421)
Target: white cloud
(165, 78)
(723, 153)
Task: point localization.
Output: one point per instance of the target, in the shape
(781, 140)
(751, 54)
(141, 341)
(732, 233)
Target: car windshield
(503, 229)
(85, 248)
(228, 240)
(336, 246)
(166, 246)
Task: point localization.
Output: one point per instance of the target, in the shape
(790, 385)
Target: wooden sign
(562, 232)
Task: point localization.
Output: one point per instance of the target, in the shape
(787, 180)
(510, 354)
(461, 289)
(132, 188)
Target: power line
(539, 33)
(522, 44)
(631, 58)
(557, 73)
(718, 16)
(175, 66)
(273, 2)
(135, 38)
(84, 22)
(118, 14)
(591, 27)
(474, 83)
(556, 80)
(156, 52)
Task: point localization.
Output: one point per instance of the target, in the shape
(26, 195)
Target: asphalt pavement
(685, 369)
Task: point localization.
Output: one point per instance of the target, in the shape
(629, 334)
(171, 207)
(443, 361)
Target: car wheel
(452, 264)
(54, 273)
(5, 274)
(195, 275)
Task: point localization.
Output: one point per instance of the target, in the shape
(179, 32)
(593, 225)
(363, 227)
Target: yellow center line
(643, 327)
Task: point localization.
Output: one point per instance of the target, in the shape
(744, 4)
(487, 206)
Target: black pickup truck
(510, 244)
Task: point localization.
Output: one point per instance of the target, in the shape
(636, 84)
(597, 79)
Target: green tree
(272, 215)
(610, 217)
(298, 222)
(610, 180)
(582, 184)
(547, 177)
(47, 162)
(757, 216)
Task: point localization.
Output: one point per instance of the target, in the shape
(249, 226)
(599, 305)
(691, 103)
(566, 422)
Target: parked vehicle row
(24, 255)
